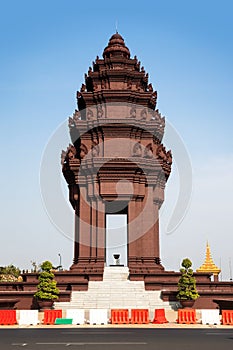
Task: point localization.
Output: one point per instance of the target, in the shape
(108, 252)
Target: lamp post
(59, 262)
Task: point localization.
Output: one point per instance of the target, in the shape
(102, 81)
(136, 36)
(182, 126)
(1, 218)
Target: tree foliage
(9, 273)
(187, 282)
(47, 286)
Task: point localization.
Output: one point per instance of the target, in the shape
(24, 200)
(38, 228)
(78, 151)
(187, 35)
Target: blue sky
(187, 49)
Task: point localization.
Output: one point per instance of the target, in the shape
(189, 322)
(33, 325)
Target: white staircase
(114, 292)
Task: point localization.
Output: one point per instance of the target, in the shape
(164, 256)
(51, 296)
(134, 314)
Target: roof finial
(116, 27)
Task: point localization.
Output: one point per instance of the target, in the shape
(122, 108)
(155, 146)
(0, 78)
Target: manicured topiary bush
(47, 286)
(187, 282)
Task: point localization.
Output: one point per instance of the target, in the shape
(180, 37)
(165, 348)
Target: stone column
(76, 234)
(134, 228)
(101, 230)
(84, 225)
(147, 229)
(94, 229)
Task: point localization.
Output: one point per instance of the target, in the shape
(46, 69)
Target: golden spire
(209, 265)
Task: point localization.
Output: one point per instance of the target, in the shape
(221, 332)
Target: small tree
(187, 283)
(9, 273)
(47, 287)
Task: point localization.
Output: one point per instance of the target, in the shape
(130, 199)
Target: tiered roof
(209, 265)
(117, 78)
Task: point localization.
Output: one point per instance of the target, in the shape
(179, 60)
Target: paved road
(116, 339)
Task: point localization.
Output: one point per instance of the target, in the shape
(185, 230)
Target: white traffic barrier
(98, 316)
(77, 315)
(28, 317)
(210, 316)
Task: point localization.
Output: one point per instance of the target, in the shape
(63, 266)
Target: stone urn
(187, 304)
(45, 304)
(117, 259)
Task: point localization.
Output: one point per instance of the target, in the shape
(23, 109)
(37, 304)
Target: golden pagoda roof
(209, 265)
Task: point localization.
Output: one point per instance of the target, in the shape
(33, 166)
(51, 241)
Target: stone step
(110, 306)
(115, 293)
(116, 273)
(125, 295)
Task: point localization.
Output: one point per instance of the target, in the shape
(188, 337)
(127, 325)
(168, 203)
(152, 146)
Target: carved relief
(143, 114)
(166, 157)
(83, 88)
(100, 111)
(157, 115)
(83, 150)
(165, 160)
(137, 150)
(161, 152)
(70, 153)
(74, 119)
(158, 118)
(148, 153)
(153, 99)
(132, 112)
(150, 87)
(90, 114)
(154, 95)
(95, 151)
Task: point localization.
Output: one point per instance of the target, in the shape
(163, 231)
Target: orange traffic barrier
(140, 316)
(8, 317)
(186, 316)
(119, 316)
(159, 316)
(51, 315)
(227, 317)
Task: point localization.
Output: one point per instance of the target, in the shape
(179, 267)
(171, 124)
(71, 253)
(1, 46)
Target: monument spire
(209, 265)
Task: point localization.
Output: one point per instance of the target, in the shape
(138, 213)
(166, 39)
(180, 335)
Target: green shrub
(187, 282)
(47, 286)
(9, 273)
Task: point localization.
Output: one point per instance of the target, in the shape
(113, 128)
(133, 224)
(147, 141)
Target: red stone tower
(116, 163)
